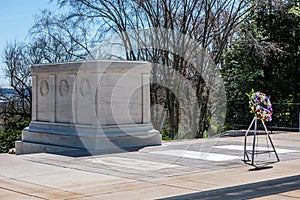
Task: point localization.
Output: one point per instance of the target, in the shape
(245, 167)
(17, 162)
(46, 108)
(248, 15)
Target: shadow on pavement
(86, 153)
(247, 191)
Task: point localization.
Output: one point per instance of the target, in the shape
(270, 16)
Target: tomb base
(58, 138)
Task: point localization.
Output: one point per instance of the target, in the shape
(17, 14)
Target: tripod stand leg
(254, 142)
(271, 142)
(246, 157)
(273, 148)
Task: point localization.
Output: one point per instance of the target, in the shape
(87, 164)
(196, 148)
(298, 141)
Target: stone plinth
(94, 105)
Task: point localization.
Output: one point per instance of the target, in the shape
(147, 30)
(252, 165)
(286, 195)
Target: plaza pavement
(188, 169)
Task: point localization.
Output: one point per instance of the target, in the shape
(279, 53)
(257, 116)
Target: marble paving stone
(74, 180)
(294, 193)
(36, 190)
(198, 155)
(10, 165)
(89, 198)
(156, 192)
(191, 185)
(16, 195)
(241, 148)
(131, 163)
(277, 197)
(131, 185)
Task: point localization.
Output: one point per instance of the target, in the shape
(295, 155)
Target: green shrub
(8, 138)
(165, 135)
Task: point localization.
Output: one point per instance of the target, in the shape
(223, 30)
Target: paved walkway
(198, 169)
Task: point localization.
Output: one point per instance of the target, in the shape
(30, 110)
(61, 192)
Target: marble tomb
(92, 105)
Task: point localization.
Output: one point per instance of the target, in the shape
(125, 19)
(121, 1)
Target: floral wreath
(260, 105)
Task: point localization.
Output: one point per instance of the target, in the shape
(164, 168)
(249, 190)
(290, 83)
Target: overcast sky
(16, 18)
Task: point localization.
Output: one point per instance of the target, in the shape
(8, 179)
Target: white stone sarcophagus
(91, 105)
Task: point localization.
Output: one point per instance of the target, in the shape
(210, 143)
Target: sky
(16, 18)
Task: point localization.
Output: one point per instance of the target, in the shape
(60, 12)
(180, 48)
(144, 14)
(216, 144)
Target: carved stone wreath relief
(85, 87)
(63, 88)
(44, 88)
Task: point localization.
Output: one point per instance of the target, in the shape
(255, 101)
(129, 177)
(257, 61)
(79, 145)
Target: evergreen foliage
(266, 57)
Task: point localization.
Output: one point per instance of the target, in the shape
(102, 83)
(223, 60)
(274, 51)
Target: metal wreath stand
(249, 155)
